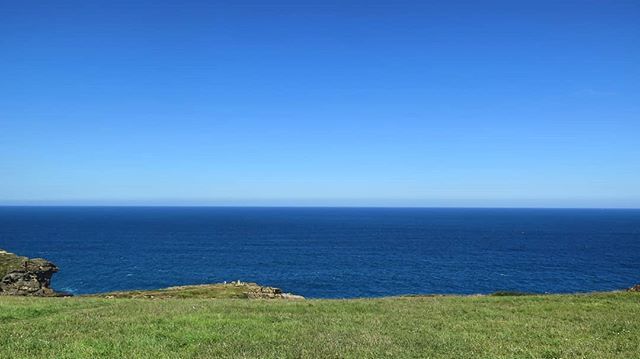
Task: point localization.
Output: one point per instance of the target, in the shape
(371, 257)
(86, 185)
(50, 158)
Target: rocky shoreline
(22, 276)
(232, 290)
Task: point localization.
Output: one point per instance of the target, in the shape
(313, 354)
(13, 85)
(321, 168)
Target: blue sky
(398, 103)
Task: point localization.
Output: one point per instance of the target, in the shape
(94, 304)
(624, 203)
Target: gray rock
(26, 277)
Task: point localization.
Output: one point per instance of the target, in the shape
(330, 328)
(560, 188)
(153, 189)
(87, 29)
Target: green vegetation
(509, 293)
(603, 325)
(10, 262)
(205, 291)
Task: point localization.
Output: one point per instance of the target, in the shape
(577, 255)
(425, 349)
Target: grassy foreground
(604, 325)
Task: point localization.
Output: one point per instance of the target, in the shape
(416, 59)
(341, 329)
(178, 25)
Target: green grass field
(602, 325)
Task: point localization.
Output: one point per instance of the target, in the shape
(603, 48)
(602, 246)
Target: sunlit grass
(602, 325)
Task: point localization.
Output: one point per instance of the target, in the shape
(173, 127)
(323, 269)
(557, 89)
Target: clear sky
(398, 103)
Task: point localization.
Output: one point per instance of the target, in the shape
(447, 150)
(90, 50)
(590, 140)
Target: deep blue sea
(331, 252)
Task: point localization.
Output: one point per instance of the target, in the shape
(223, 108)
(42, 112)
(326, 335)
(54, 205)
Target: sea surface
(331, 252)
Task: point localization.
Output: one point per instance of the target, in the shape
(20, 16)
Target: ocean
(331, 252)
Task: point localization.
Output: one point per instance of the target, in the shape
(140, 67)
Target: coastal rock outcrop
(231, 290)
(255, 291)
(26, 277)
(635, 288)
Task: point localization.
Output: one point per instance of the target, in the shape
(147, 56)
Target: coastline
(246, 320)
(22, 276)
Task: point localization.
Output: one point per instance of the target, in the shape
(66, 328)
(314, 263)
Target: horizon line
(307, 206)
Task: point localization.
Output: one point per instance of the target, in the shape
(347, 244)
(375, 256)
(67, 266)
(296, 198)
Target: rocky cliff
(25, 276)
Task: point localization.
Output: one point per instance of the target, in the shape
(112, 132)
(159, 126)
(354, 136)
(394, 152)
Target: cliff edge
(26, 277)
